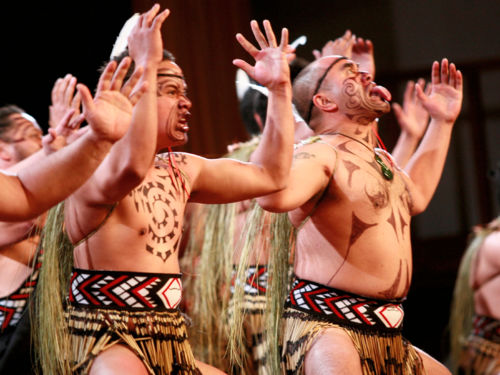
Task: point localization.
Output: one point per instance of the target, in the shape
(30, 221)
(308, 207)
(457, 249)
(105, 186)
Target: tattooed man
(126, 222)
(352, 205)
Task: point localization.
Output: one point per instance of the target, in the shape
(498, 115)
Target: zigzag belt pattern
(487, 328)
(255, 280)
(345, 309)
(125, 290)
(12, 307)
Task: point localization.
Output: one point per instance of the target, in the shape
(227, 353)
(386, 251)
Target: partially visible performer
(126, 221)
(352, 205)
(475, 314)
(21, 140)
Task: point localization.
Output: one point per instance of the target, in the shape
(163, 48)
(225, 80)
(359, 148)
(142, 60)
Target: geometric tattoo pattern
(164, 226)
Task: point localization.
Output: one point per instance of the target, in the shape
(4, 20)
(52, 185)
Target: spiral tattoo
(157, 200)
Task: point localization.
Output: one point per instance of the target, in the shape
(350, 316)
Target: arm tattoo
(304, 155)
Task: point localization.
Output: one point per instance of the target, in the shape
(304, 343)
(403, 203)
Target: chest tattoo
(358, 227)
(379, 198)
(158, 201)
(351, 168)
(393, 289)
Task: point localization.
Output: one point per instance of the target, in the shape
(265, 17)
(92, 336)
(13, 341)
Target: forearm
(404, 149)
(135, 152)
(57, 176)
(426, 165)
(274, 153)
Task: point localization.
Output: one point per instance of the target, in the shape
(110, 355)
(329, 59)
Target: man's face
(356, 95)
(24, 137)
(173, 106)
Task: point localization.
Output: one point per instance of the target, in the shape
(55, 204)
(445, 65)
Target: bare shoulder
(315, 151)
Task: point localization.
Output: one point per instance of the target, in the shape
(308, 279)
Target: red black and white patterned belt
(486, 327)
(345, 309)
(13, 306)
(255, 282)
(125, 290)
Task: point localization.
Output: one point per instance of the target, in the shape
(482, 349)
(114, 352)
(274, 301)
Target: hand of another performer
(362, 53)
(341, 46)
(145, 44)
(271, 66)
(67, 131)
(110, 111)
(445, 99)
(64, 98)
(412, 117)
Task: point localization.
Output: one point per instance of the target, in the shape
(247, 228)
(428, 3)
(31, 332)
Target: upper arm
(227, 180)
(312, 169)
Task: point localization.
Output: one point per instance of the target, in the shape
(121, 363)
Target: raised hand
(341, 46)
(271, 67)
(445, 99)
(144, 42)
(64, 98)
(64, 133)
(412, 116)
(362, 53)
(109, 113)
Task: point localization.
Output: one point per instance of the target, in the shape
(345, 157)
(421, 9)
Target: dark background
(41, 43)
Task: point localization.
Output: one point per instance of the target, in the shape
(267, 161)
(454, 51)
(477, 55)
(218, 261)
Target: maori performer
(126, 221)
(475, 314)
(352, 205)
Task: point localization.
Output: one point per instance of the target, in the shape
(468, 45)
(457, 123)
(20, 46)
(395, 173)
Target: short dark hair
(167, 55)
(253, 102)
(6, 123)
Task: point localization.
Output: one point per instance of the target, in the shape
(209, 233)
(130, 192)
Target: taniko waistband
(345, 309)
(486, 327)
(255, 280)
(125, 290)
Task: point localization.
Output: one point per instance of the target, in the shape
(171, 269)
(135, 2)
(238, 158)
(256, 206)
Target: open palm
(445, 99)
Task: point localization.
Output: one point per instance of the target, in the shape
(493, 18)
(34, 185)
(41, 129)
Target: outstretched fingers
(445, 73)
(456, 79)
(106, 76)
(120, 73)
(271, 38)
(247, 46)
(259, 37)
(284, 39)
(158, 21)
(129, 86)
(150, 15)
(87, 100)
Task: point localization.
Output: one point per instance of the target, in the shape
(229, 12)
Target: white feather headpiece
(122, 39)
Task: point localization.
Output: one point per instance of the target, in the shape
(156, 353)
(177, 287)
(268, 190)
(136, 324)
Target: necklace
(386, 171)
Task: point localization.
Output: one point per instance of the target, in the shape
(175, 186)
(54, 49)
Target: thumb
(86, 96)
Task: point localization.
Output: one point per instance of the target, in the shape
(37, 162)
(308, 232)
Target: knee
(115, 359)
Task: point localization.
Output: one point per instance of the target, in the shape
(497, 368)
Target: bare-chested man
(352, 208)
(475, 314)
(126, 221)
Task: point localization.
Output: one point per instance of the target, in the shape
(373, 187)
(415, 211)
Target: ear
(325, 103)
(5, 154)
(258, 120)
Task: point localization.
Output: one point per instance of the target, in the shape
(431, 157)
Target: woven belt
(255, 282)
(486, 327)
(125, 290)
(345, 309)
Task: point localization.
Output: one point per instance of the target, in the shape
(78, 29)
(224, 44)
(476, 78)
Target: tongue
(382, 92)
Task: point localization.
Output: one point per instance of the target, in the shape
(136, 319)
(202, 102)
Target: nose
(184, 102)
(366, 77)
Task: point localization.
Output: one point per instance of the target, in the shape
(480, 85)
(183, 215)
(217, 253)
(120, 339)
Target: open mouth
(381, 92)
